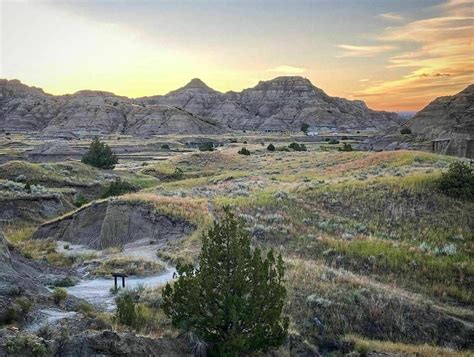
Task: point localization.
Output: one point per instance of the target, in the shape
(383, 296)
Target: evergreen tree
(100, 155)
(234, 299)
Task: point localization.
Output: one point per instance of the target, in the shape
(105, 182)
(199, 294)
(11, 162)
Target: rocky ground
(378, 260)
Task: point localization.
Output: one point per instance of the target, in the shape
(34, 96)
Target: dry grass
(363, 345)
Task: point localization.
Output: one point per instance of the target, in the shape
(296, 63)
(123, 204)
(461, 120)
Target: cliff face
(284, 103)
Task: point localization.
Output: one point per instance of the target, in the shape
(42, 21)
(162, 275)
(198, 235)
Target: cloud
(391, 16)
(437, 57)
(285, 69)
(363, 51)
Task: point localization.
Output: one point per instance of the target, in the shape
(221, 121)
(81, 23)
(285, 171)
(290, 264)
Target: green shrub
(271, 147)
(129, 311)
(405, 131)
(333, 141)
(346, 147)
(59, 294)
(80, 200)
(244, 151)
(100, 155)
(26, 345)
(458, 181)
(304, 128)
(24, 303)
(165, 146)
(237, 308)
(118, 187)
(206, 147)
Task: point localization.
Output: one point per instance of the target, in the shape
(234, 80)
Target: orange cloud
(442, 63)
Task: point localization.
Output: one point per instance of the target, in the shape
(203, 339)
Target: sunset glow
(395, 55)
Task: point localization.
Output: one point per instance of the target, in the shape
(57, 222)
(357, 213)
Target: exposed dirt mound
(33, 208)
(113, 223)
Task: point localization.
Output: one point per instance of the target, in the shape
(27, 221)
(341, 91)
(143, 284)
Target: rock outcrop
(281, 104)
(444, 126)
(114, 223)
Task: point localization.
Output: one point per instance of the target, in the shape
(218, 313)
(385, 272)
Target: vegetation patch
(127, 265)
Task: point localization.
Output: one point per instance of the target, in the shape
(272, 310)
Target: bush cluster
(206, 147)
(346, 147)
(297, 147)
(271, 147)
(405, 131)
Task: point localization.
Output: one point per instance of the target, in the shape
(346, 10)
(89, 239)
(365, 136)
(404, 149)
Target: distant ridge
(280, 104)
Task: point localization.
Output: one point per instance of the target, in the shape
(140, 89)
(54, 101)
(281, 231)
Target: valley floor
(377, 258)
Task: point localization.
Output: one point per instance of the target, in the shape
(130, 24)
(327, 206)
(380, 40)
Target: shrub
(59, 294)
(244, 151)
(458, 181)
(206, 147)
(271, 147)
(346, 147)
(80, 200)
(28, 187)
(236, 309)
(304, 128)
(405, 131)
(100, 155)
(118, 187)
(129, 312)
(165, 146)
(333, 141)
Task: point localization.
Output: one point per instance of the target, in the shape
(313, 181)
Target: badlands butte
(372, 212)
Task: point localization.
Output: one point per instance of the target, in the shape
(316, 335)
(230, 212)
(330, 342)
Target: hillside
(445, 126)
(281, 104)
(28, 109)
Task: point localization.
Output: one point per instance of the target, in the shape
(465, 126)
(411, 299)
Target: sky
(393, 54)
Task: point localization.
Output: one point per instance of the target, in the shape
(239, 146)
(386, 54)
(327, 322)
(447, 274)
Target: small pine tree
(233, 299)
(28, 187)
(100, 155)
(271, 147)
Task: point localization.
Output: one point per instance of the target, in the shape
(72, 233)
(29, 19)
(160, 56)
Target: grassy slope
(371, 215)
(373, 249)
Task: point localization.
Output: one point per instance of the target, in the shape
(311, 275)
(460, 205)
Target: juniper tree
(100, 155)
(233, 299)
